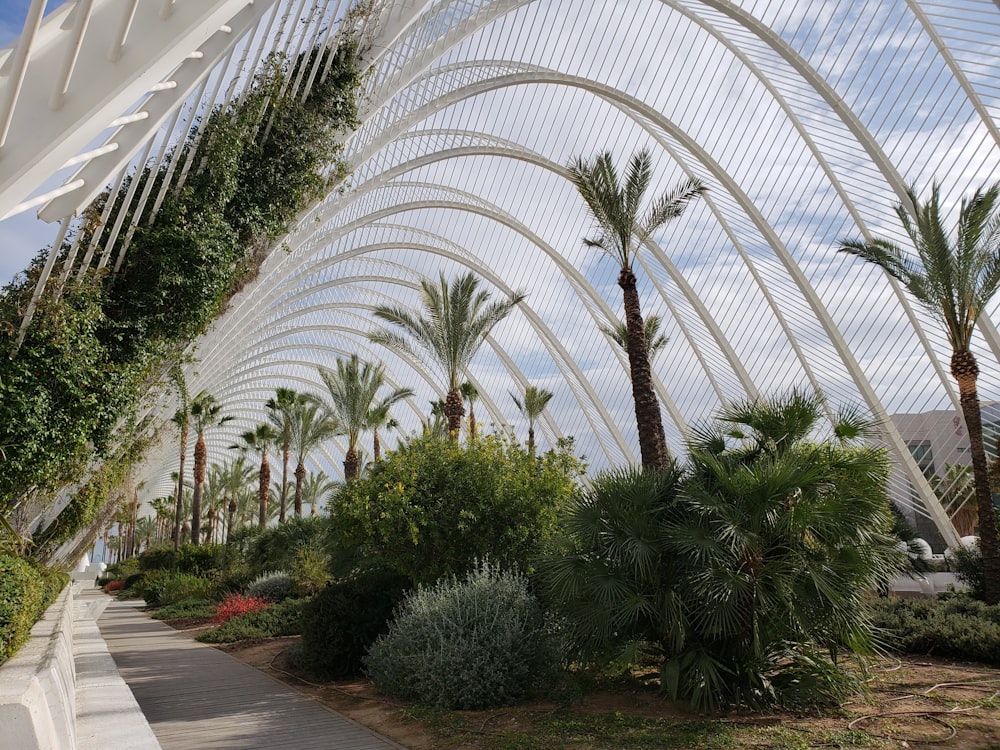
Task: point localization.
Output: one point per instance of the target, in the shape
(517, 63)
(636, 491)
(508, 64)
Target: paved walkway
(195, 696)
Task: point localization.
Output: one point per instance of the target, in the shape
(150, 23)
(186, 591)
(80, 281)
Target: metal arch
(569, 272)
(385, 179)
(902, 453)
(548, 339)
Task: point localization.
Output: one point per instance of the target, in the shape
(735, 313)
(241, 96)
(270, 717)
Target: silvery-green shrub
(274, 586)
(465, 643)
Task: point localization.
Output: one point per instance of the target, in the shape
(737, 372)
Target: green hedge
(958, 627)
(26, 591)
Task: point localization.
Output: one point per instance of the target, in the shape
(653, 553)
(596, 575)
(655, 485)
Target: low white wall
(63, 691)
(38, 686)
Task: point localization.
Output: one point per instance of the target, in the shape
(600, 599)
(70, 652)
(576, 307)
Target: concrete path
(195, 696)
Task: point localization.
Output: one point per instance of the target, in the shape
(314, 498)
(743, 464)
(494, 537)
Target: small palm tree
(145, 532)
(457, 319)
(353, 390)
(205, 413)
(380, 419)
(181, 418)
(261, 440)
(236, 475)
(316, 488)
(310, 427)
(470, 394)
(534, 403)
(953, 277)
(655, 341)
(615, 206)
(279, 414)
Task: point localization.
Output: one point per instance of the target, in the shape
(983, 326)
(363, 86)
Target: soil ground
(913, 703)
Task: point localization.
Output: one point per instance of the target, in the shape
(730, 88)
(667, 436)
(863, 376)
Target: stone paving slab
(195, 696)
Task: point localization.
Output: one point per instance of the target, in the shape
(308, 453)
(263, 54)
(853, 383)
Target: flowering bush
(113, 586)
(235, 605)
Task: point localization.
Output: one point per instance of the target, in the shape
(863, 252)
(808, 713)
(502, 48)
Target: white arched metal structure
(808, 120)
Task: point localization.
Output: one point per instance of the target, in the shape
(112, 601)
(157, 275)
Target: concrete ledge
(63, 690)
(38, 686)
(926, 584)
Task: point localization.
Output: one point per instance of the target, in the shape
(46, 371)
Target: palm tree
(378, 420)
(205, 413)
(954, 277)
(353, 390)
(181, 418)
(235, 476)
(145, 532)
(316, 487)
(310, 427)
(534, 403)
(279, 414)
(655, 341)
(260, 440)
(615, 207)
(457, 318)
(470, 394)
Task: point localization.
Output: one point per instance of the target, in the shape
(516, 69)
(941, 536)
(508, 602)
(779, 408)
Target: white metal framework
(807, 119)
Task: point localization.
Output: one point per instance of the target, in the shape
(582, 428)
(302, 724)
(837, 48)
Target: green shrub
(473, 643)
(274, 621)
(967, 565)
(186, 608)
(311, 570)
(162, 587)
(276, 547)
(25, 593)
(434, 506)
(344, 619)
(958, 627)
(274, 587)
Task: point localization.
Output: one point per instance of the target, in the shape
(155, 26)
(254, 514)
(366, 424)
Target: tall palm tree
(457, 318)
(145, 532)
(954, 277)
(353, 390)
(260, 440)
(655, 341)
(615, 206)
(310, 426)
(181, 418)
(235, 476)
(205, 413)
(470, 394)
(534, 403)
(279, 414)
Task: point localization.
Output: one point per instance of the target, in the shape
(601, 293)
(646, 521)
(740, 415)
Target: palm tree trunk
(652, 441)
(263, 490)
(285, 451)
(965, 370)
(454, 411)
(200, 459)
(351, 465)
(232, 514)
(179, 504)
(300, 477)
(472, 419)
(531, 439)
(376, 445)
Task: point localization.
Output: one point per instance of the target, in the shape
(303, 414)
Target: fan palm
(655, 341)
(279, 414)
(615, 206)
(457, 318)
(205, 412)
(260, 440)
(310, 427)
(531, 407)
(953, 277)
(353, 390)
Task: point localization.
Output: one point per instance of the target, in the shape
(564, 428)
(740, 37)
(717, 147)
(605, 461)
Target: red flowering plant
(112, 586)
(235, 605)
